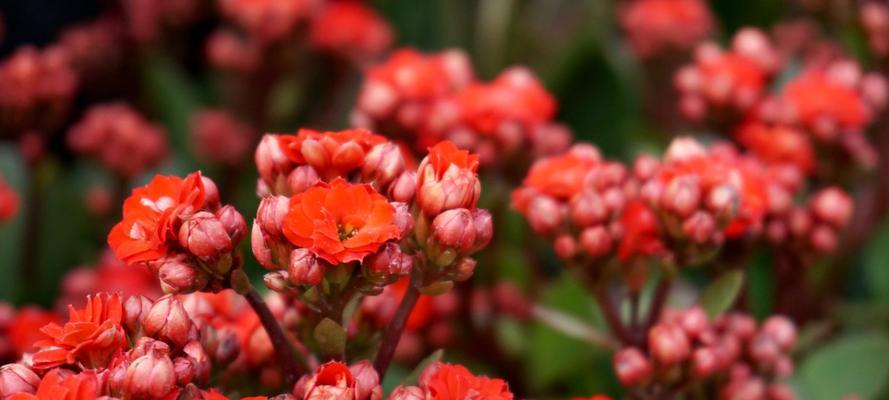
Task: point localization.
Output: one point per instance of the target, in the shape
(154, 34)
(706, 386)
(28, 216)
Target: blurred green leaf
(876, 263)
(853, 365)
(172, 98)
(717, 297)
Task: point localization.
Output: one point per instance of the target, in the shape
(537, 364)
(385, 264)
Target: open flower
(447, 179)
(90, 338)
(59, 385)
(446, 381)
(559, 177)
(151, 215)
(340, 222)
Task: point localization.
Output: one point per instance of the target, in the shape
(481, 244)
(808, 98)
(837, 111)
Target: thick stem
(395, 329)
(658, 302)
(292, 365)
(609, 311)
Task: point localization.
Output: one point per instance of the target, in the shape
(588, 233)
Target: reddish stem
(609, 311)
(292, 365)
(395, 329)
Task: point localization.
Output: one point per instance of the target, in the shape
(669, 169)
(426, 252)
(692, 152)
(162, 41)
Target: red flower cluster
(94, 48)
(121, 139)
(442, 381)
(9, 201)
(658, 26)
(814, 227)
(20, 329)
(217, 137)
(180, 230)
(108, 275)
(731, 351)
(425, 99)
(727, 82)
(352, 30)
(267, 20)
(336, 380)
(38, 86)
(147, 20)
(351, 202)
(874, 18)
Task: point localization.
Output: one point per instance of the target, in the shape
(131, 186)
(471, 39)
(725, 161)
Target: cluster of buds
(38, 85)
(120, 138)
(815, 227)
(726, 83)
(336, 380)
(428, 327)
(439, 380)
(94, 48)
(136, 348)
(424, 99)
(147, 20)
(577, 199)
(353, 199)
(874, 18)
(743, 360)
(218, 137)
(655, 27)
(9, 201)
(20, 329)
(179, 229)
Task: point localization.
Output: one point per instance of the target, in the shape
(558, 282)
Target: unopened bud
(168, 321)
(699, 227)
(632, 367)
(17, 378)
(748, 389)
(723, 200)
(596, 241)
(684, 149)
(764, 350)
(403, 218)
(668, 344)
(271, 162)
(201, 361)
(204, 236)
(151, 376)
(823, 239)
(302, 178)
(458, 188)
(588, 209)
(407, 393)
(544, 215)
(777, 391)
(277, 281)
(704, 362)
(347, 156)
(233, 222)
(305, 269)
(404, 187)
(833, 205)
(367, 381)
(484, 228)
(464, 269)
(782, 330)
(388, 263)
(694, 321)
(270, 214)
(383, 163)
(177, 276)
(135, 309)
(682, 196)
(183, 368)
(565, 246)
(454, 229)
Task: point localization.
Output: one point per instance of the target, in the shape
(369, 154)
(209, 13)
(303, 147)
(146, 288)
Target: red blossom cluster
(219, 138)
(743, 360)
(94, 48)
(179, 229)
(20, 329)
(447, 381)
(120, 139)
(38, 85)
(353, 198)
(654, 27)
(423, 99)
(874, 18)
(147, 20)
(814, 227)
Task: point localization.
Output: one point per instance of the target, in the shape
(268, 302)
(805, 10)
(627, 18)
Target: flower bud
(823, 239)
(302, 178)
(700, 227)
(777, 391)
(270, 214)
(407, 393)
(403, 219)
(632, 367)
(833, 205)
(404, 187)
(168, 321)
(454, 229)
(668, 344)
(347, 156)
(723, 200)
(782, 330)
(764, 350)
(204, 236)
(682, 196)
(305, 269)
(704, 362)
(693, 321)
(17, 378)
(211, 193)
(151, 376)
(740, 325)
(464, 269)
(682, 149)
(260, 247)
(135, 308)
(458, 188)
(544, 215)
(183, 368)
(177, 276)
(484, 228)
(565, 246)
(588, 208)
(367, 381)
(596, 241)
(277, 281)
(199, 358)
(233, 222)
(388, 263)
(228, 346)
(271, 161)
(383, 163)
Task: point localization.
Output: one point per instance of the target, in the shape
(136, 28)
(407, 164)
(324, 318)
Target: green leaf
(331, 337)
(876, 263)
(853, 365)
(411, 378)
(721, 293)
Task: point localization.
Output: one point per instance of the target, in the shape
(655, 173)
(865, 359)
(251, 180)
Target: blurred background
(576, 48)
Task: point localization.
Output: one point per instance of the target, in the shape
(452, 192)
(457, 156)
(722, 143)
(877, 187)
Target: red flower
(447, 179)
(57, 385)
(332, 154)
(90, 337)
(815, 96)
(446, 382)
(352, 29)
(777, 144)
(515, 96)
(559, 177)
(24, 330)
(340, 222)
(151, 216)
(641, 231)
(654, 25)
(412, 75)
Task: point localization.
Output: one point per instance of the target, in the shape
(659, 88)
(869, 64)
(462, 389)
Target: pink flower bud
(260, 247)
(823, 239)
(682, 196)
(348, 155)
(367, 381)
(150, 376)
(764, 350)
(178, 276)
(700, 227)
(404, 187)
(211, 193)
(407, 393)
(704, 362)
(270, 214)
(383, 163)
(668, 344)
(403, 219)
(724, 201)
(544, 214)
(464, 269)
(484, 228)
(645, 166)
(204, 236)
(458, 188)
(596, 241)
(135, 309)
(199, 358)
(168, 321)
(833, 205)
(632, 367)
(183, 368)
(388, 263)
(740, 325)
(588, 208)
(454, 229)
(271, 161)
(302, 178)
(305, 269)
(233, 222)
(17, 378)
(682, 149)
(693, 321)
(565, 246)
(277, 281)
(782, 330)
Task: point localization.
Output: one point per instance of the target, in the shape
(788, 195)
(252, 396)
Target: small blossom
(446, 179)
